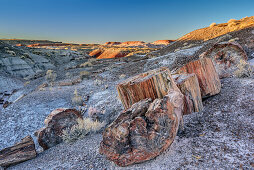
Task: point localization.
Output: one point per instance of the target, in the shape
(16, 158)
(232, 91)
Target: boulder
(207, 75)
(189, 86)
(152, 84)
(144, 131)
(56, 122)
(20, 152)
(226, 56)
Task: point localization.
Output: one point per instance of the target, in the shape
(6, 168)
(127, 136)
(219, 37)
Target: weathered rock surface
(189, 86)
(144, 131)
(132, 43)
(152, 84)
(162, 42)
(225, 57)
(57, 121)
(112, 43)
(20, 152)
(208, 78)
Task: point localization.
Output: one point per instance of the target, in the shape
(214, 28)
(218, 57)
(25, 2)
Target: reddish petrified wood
(208, 78)
(20, 152)
(56, 122)
(153, 84)
(144, 131)
(189, 86)
(226, 57)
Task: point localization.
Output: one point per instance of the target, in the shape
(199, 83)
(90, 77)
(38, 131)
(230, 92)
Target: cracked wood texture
(56, 122)
(189, 86)
(153, 84)
(143, 131)
(208, 78)
(20, 152)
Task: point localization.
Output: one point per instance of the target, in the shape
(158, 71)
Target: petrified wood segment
(189, 86)
(56, 122)
(225, 57)
(144, 131)
(20, 152)
(153, 84)
(208, 78)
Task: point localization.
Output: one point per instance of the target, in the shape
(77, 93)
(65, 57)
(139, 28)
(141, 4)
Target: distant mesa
(112, 43)
(108, 53)
(132, 43)
(49, 44)
(162, 42)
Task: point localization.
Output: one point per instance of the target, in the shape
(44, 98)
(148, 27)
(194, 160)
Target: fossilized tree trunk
(20, 152)
(153, 84)
(208, 78)
(189, 86)
(143, 131)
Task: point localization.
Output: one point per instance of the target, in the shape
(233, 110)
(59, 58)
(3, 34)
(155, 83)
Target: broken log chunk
(208, 78)
(56, 122)
(189, 86)
(20, 152)
(226, 56)
(143, 131)
(153, 84)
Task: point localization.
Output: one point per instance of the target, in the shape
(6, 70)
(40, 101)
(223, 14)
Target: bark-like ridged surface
(208, 78)
(57, 121)
(144, 131)
(20, 152)
(152, 84)
(226, 57)
(189, 86)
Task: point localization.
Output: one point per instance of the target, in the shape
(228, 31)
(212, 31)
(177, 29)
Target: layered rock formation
(162, 42)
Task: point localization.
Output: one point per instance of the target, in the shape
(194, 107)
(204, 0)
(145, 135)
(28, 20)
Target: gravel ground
(220, 137)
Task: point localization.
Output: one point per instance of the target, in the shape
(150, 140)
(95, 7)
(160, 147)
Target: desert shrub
(84, 74)
(244, 69)
(68, 75)
(79, 131)
(11, 52)
(213, 24)
(87, 64)
(77, 99)
(122, 76)
(50, 77)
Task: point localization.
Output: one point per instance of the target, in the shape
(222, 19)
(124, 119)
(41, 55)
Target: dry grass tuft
(50, 77)
(77, 99)
(80, 130)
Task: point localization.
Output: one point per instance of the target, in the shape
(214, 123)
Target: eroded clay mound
(144, 131)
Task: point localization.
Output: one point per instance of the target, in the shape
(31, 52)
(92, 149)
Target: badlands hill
(36, 81)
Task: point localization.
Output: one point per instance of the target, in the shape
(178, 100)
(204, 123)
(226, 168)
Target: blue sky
(98, 21)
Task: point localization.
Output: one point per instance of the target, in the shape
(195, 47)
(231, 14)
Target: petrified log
(153, 84)
(208, 78)
(226, 56)
(144, 131)
(56, 122)
(20, 152)
(189, 86)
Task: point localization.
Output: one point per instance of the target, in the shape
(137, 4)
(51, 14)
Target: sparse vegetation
(244, 69)
(84, 74)
(79, 131)
(77, 99)
(50, 77)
